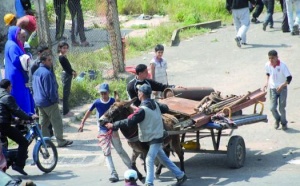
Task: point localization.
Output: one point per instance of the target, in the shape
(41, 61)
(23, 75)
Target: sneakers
(276, 125)
(114, 178)
(255, 20)
(19, 169)
(181, 180)
(295, 30)
(238, 41)
(264, 27)
(284, 127)
(67, 143)
(53, 138)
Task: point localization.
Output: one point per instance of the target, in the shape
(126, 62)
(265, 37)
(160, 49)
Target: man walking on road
(241, 17)
(278, 77)
(151, 130)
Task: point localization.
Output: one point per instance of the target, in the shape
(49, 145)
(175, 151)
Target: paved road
(214, 60)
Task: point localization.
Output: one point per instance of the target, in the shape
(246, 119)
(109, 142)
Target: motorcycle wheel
(46, 162)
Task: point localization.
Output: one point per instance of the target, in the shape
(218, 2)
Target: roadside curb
(211, 24)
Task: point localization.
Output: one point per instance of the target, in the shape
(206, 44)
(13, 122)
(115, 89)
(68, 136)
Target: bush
(187, 11)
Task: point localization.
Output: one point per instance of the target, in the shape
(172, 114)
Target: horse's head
(117, 111)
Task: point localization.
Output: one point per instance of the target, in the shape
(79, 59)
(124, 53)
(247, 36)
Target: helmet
(8, 18)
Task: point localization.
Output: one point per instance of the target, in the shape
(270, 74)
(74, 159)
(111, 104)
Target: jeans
(77, 20)
(241, 20)
(289, 9)
(15, 135)
(117, 144)
(258, 9)
(66, 82)
(270, 10)
(278, 99)
(156, 150)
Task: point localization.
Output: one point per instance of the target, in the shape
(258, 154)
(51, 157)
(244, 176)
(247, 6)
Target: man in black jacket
(241, 16)
(8, 109)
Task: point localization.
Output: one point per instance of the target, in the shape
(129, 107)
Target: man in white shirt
(278, 77)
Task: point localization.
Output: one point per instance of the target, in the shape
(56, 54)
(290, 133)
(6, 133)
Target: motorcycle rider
(9, 109)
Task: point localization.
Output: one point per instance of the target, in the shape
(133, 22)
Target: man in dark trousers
(77, 23)
(8, 109)
(259, 6)
(60, 11)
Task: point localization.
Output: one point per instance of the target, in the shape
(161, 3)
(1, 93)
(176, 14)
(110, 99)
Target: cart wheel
(236, 152)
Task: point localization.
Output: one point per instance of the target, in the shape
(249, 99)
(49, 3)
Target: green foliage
(142, 6)
(157, 35)
(196, 11)
(187, 11)
(161, 34)
(139, 26)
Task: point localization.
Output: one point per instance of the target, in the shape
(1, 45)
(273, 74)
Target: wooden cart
(199, 125)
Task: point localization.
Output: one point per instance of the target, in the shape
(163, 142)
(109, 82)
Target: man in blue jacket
(45, 96)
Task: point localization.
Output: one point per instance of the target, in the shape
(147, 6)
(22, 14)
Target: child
(158, 66)
(278, 79)
(66, 76)
(102, 105)
(130, 177)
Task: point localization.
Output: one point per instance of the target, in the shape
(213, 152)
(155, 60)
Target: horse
(121, 110)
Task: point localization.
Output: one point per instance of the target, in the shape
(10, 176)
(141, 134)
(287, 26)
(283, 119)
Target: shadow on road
(212, 168)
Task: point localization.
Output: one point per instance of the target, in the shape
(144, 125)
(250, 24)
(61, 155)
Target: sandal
(67, 143)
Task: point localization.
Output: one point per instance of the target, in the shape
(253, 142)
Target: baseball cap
(146, 89)
(103, 87)
(8, 18)
(130, 174)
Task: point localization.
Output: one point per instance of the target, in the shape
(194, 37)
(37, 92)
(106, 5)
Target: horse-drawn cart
(199, 121)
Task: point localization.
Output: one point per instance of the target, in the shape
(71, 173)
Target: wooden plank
(180, 105)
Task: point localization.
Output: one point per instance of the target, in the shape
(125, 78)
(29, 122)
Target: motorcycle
(44, 152)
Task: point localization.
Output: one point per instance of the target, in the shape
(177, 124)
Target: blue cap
(104, 87)
(146, 89)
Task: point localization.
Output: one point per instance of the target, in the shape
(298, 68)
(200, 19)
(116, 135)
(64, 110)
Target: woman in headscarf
(14, 51)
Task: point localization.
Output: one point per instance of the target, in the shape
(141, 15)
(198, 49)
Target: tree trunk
(113, 28)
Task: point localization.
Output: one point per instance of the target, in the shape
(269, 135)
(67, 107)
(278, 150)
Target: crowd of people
(26, 19)
(241, 9)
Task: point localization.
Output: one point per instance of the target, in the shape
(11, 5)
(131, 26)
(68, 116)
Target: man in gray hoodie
(151, 130)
